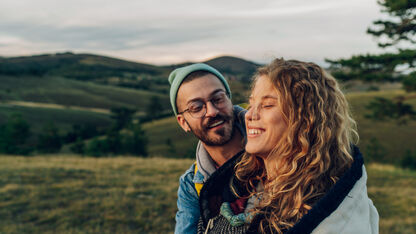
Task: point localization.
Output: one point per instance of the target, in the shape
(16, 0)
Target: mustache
(217, 118)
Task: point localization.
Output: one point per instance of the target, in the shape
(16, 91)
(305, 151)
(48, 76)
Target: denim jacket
(188, 212)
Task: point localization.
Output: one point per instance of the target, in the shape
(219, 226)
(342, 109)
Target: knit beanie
(178, 75)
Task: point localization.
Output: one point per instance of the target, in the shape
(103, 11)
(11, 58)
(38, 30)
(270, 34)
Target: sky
(174, 31)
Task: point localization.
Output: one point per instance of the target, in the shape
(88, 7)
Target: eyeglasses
(198, 109)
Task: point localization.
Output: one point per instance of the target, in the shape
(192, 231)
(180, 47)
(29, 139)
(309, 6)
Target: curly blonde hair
(312, 154)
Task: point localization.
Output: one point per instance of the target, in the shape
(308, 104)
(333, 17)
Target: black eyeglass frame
(204, 105)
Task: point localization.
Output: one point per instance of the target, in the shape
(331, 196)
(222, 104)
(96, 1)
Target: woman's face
(264, 120)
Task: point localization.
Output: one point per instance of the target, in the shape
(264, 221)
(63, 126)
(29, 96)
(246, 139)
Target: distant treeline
(125, 136)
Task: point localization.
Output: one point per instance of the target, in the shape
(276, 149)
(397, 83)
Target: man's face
(216, 127)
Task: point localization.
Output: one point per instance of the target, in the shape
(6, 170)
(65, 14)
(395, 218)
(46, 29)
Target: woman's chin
(252, 150)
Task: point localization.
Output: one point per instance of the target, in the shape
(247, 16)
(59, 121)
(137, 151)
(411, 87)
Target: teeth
(254, 131)
(216, 124)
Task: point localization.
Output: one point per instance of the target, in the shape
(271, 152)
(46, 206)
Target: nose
(252, 114)
(212, 111)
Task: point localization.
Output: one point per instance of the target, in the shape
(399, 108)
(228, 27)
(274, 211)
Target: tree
(374, 151)
(171, 147)
(80, 131)
(136, 142)
(113, 142)
(401, 26)
(409, 160)
(123, 116)
(78, 147)
(383, 109)
(96, 147)
(154, 108)
(397, 33)
(13, 136)
(49, 141)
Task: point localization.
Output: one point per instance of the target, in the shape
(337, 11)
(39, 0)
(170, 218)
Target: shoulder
(188, 175)
(356, 213)
(187, 194)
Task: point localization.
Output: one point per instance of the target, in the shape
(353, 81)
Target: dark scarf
(327, 204)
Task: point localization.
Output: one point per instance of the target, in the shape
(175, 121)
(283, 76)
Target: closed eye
(196, 107)
(217, 100)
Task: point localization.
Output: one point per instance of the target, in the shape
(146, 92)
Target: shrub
(13, 136)
(97, 148)
(78, 147)
(409, 160)
(374, 151)
(50, 140)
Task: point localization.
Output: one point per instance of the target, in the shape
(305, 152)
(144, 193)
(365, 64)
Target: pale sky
(175, 31)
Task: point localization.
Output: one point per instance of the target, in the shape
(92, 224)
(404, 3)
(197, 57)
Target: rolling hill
(71, 89)
(234, 68)
(90, 67)
(67, 92)
(77, 66)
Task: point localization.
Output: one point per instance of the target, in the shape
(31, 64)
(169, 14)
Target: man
(201, 100)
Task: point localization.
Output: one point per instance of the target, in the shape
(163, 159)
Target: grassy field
(394, 139)
(70, 194)
(88, 195)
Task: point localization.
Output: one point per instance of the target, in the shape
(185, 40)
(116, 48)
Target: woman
(301, 170)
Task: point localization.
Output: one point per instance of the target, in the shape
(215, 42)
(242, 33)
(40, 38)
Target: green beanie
(178, 75)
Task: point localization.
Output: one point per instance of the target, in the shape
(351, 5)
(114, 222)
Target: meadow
(72, 194)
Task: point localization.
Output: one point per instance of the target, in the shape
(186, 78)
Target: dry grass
(71, 194)
(393, 192)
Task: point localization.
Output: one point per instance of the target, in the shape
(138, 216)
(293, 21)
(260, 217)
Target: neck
(221, 154)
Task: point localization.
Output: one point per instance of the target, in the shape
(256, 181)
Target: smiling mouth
(215, 124)
(255, 131)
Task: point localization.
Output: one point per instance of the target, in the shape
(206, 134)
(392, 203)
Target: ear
(182, 122)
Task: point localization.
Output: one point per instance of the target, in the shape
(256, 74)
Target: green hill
(234, 68)
(77, 66)
(88, 67)
(67, 92)
(46, 99)
(112, 71)
(66, 102)
(167, 139)
(64, 119)
(74, 89)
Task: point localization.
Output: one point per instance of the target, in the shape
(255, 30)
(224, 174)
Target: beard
(218, 137)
